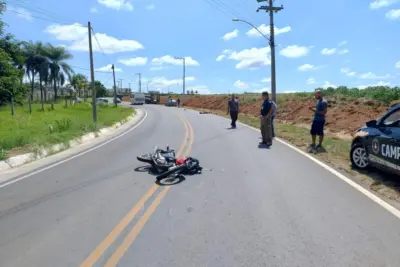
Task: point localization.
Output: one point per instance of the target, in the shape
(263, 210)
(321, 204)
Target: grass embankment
(26, 132)
(335, 152)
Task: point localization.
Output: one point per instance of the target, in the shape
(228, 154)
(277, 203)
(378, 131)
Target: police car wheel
(359, 156)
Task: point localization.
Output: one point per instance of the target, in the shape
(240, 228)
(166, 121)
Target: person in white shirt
(274, 109)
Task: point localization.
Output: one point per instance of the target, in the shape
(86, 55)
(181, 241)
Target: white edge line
(77, 155)
(361, 189)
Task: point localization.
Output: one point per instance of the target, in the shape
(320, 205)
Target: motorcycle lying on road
(165, 163)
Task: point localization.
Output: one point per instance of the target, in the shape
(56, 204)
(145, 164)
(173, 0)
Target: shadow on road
(164, 182)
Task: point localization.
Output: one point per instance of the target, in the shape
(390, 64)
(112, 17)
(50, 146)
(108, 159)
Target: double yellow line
(137, 228)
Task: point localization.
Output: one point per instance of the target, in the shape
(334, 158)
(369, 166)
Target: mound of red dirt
(343, 115)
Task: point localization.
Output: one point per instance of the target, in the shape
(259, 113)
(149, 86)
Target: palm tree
(34, 58)
(79, 81)
(57, 56)
(43, 70)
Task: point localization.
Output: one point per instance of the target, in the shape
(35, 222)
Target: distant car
(171, 103)
(378, 143)
(102, 100)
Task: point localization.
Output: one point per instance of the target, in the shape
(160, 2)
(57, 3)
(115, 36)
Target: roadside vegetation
(38, 90)
(27, 132)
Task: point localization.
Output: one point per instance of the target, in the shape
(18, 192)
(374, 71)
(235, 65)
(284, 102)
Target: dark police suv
(378, 143)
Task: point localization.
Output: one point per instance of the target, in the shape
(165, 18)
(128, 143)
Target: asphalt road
(250, 207)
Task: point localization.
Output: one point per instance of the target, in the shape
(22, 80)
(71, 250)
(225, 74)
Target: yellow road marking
(131, 237)
(114, 259)
(112, 236)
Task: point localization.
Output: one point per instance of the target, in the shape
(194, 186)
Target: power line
(37, 17)
(39, 10)
(98, 44)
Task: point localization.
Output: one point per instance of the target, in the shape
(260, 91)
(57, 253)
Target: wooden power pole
(271, 10)
(94, 107)
(115, 86)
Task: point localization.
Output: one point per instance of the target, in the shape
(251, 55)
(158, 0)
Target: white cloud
(381, 3)
(201, 89)
(342, 43)
(108, 68)
(290, 91)
(157, 68)
(117, 4)
(266, 80)
(393, 14)
(163, 82)
(398, 65)
(150, 7)
(370, 75)
(380, 83)
(21, 12)
(135, 61)
(220, 57)
(230, 35)
(343, 52)
(265, 30)
(307, 67)
(173, 61)
(294, 51)
(348, 72)
(328, 51)
(310, 80)
(241, 85)
(328, 84)
(93, 10)
(252, 58)
(78, 36)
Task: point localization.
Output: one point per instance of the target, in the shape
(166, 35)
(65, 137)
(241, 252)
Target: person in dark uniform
(179, 102)
(265, 120)
(233, 110)
(317, 127)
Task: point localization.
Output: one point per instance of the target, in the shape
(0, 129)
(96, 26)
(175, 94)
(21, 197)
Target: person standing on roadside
(273, 115)
(233, 110)
(179, 102)
(265, 120)
(317, 127)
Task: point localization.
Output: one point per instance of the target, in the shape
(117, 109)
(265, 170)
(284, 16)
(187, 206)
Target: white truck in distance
(138, 98)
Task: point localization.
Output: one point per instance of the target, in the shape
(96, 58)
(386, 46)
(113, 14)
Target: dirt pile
(343, 115)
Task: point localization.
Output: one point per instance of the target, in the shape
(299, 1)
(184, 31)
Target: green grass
(26, 132)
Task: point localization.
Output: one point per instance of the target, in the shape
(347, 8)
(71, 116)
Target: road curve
(250, 207)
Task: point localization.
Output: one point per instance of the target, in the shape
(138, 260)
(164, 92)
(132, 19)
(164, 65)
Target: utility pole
(129, 88)
(115, 86)
(140, 82)
(120, 85)
(271, 9)
(94, 107)
(147, 87)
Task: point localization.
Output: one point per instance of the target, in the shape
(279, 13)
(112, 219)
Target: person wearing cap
(317, 127)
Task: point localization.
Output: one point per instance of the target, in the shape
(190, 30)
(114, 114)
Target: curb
(19, 160)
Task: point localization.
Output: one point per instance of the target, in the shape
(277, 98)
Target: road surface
(250, 207)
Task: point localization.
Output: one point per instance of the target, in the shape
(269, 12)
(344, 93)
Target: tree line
(44, 64)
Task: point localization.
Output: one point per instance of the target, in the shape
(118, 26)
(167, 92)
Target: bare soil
(343, 118)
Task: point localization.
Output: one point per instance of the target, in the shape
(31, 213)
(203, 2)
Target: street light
(183, 78)
(273, 76)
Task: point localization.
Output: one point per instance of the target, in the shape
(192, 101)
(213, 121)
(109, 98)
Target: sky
(318, 43)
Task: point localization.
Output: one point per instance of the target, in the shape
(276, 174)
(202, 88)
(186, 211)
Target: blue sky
(319, 43)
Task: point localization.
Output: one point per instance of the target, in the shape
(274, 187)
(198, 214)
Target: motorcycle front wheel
(145, 158)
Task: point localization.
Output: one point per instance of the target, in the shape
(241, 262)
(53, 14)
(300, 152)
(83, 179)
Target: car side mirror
(371, 123)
